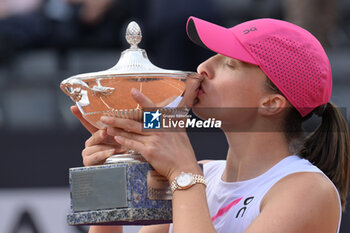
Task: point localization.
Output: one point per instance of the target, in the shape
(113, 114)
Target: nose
(206, 69)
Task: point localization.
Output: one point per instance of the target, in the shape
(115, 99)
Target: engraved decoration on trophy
(116, 193)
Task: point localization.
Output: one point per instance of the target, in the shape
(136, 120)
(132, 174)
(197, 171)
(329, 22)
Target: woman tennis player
(267, 78)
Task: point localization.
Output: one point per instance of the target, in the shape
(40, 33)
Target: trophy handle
(73, 87)
(100, 91)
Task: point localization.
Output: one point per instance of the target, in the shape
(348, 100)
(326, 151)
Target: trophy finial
(133, 34)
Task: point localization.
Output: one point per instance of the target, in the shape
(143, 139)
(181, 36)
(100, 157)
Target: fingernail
(104, 118)
(134, 91)
(119, 139)
(104, 132)
(111, 151)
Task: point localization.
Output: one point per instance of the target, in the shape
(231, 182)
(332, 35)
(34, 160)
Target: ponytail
(328, 148)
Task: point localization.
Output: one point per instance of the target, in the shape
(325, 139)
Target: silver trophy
(125, 190)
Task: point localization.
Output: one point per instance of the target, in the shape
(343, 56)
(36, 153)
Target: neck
(251, 154)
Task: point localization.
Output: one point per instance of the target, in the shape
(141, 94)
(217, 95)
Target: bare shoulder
(204, 161)
(308, 199)
(305, 185)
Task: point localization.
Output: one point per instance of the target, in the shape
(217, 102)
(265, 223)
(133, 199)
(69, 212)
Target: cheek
(229, 116)
(246, 93)
(236, 95)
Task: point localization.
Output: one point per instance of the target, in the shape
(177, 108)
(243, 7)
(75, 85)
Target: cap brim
(218, 39)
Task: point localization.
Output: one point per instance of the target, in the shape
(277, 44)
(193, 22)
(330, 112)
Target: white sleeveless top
(233, 206)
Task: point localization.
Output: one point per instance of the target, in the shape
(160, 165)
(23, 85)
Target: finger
(97, 158)
(125, 124)
(109, 140)
(191, 92)
(120, 150)
(141, 99)
(131, 144)
(119, 132)
(96, 138)
(92, 129)
(167, 102)
(194, 75)
(88, 151)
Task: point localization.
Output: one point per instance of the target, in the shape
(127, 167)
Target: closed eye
(231, 63)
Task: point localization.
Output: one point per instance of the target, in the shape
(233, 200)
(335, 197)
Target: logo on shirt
(232, 204)
(223, 210)
(242, 210)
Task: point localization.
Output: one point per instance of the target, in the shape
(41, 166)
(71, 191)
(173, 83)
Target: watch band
(197, 179)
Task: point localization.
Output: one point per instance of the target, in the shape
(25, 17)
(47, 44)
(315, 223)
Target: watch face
(184, 180)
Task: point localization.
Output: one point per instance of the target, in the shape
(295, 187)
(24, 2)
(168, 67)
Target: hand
(193, 83)
(99, 146)
(169, 153)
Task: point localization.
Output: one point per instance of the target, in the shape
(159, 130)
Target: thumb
(141, 99)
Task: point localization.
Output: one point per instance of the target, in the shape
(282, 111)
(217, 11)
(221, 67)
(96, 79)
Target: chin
(203, 113)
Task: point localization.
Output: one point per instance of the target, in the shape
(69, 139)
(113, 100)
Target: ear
(272, 104)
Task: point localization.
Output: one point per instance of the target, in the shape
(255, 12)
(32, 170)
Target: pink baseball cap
(291, 57)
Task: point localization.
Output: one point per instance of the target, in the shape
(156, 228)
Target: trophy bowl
(110, 95)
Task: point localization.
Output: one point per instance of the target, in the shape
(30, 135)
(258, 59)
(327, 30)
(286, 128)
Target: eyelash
(230, 64)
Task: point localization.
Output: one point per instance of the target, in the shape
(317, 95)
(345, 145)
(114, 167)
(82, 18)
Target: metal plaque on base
(119, 194)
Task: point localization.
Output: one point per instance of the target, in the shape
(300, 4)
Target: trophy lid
(133, 61)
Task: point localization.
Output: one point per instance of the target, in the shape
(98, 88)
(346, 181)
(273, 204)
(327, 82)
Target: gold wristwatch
(186, 181)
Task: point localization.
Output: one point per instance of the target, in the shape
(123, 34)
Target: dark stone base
(126, 216)
(118, 194)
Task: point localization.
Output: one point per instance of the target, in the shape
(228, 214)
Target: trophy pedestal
(126, 193)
